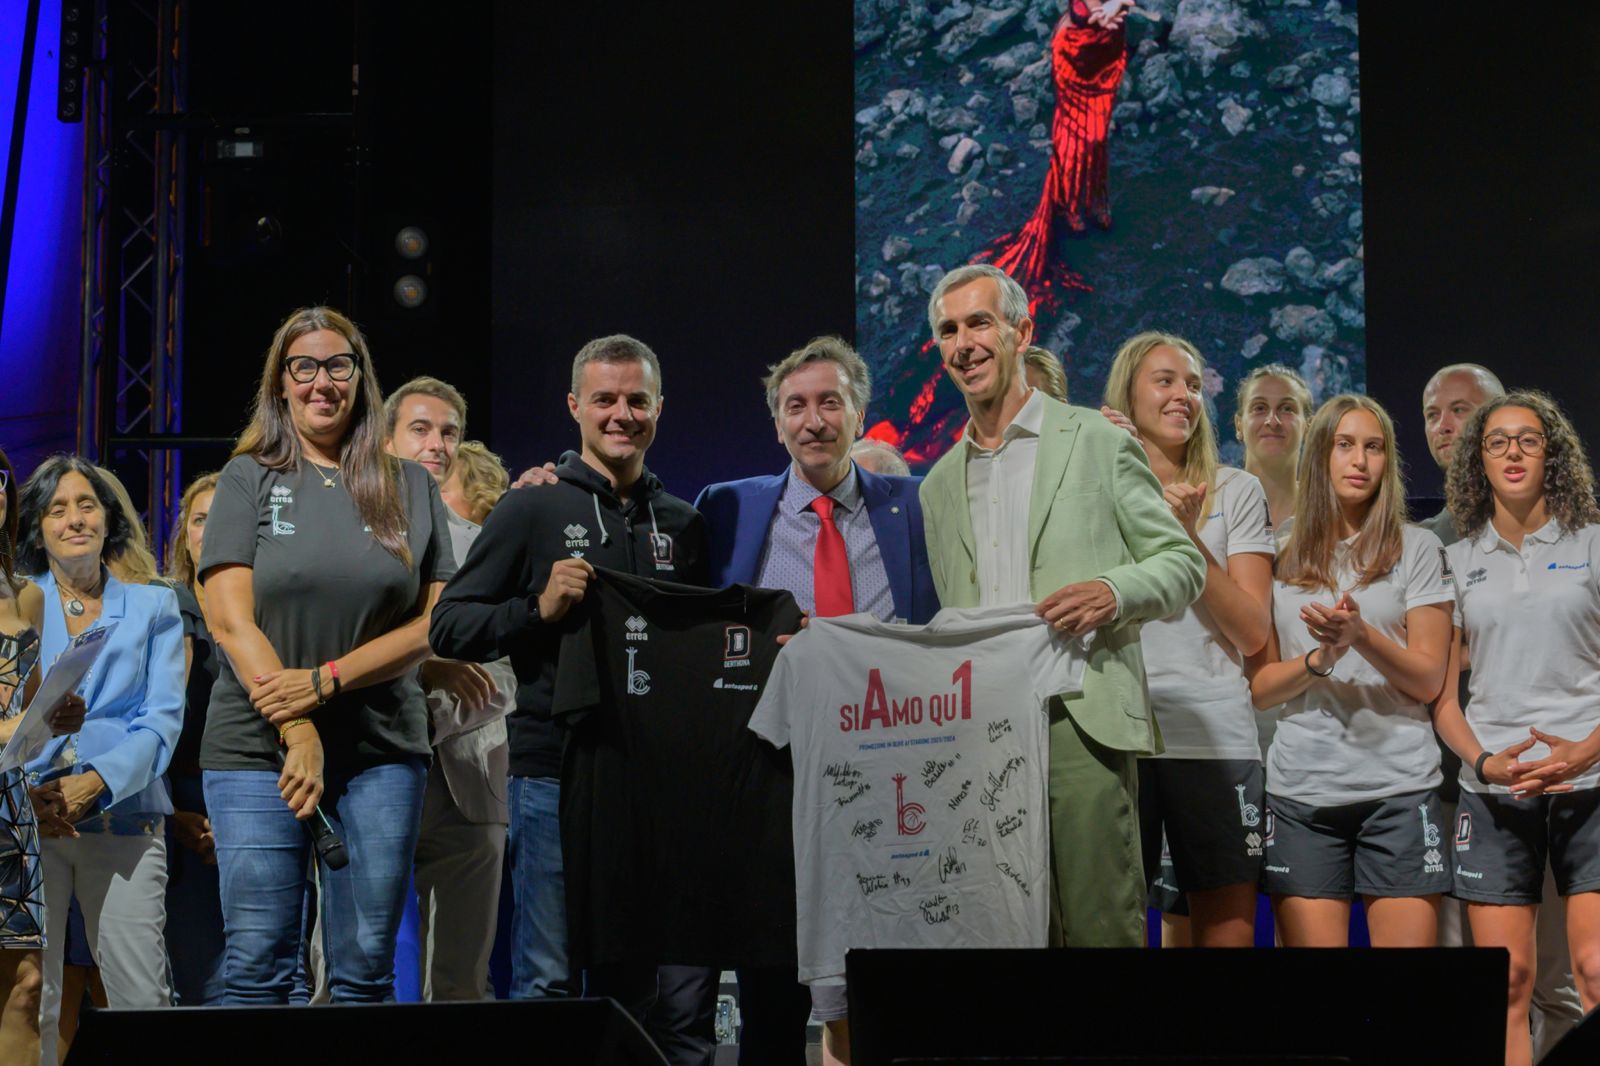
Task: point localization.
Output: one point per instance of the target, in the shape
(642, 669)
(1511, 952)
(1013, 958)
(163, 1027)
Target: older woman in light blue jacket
(106, 778)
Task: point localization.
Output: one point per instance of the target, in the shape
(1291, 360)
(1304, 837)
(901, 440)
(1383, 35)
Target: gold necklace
(327, 479)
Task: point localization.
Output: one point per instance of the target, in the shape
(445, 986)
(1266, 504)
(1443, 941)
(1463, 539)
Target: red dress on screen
(1088, 62)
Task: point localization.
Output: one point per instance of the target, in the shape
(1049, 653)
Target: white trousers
(458, 865)
(121, 885)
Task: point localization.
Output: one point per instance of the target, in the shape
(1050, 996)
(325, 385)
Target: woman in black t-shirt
(323, 557)
(194, 907)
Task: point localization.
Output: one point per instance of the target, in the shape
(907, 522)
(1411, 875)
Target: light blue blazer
(134, 695)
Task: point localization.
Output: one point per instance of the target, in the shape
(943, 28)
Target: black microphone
(330, 849)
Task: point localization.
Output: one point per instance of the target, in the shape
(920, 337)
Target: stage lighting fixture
(71, 55)
(411, 242)
(410, 292)
(241, 147)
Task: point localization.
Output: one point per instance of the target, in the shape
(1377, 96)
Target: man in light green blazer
(1053, 504)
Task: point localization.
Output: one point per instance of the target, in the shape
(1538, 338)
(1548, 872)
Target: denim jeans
(194, 910)
(262, 857)
(539, 915)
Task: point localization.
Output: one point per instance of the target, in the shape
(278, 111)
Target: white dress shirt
(999, 486)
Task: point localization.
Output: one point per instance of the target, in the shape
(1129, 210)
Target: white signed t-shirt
(921, 758)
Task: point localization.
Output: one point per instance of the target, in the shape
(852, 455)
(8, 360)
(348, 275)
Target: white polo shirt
(1197, 686)
(1532, 620)
(1354, 736)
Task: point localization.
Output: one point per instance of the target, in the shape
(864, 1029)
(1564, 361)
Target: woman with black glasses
(1522, 493)
(322, 559)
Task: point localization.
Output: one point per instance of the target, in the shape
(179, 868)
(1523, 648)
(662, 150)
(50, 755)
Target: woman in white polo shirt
(1205, 790)
(1522, 494)
(1361, 612)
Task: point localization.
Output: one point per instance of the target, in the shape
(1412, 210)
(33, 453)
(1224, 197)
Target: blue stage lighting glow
(39, 337)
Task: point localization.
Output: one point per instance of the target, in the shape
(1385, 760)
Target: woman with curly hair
(1522, 493)
(1361, 611)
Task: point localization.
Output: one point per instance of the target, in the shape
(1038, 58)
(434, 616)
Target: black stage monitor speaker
(1580, 1047)
(572, 1032)
(1081, 1006)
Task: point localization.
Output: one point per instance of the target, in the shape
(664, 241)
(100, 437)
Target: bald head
(1449, 399)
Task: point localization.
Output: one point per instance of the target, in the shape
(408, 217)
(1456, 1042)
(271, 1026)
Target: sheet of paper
(65, 675)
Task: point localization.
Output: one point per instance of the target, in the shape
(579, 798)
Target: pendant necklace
(70, 600)
(327, 479)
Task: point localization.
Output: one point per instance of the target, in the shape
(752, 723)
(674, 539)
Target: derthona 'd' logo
(735, 646)
(661, 550)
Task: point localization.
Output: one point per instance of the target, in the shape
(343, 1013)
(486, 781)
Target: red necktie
(831, 565)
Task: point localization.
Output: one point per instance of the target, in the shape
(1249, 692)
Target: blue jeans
(539, 914)
(194, 910)
(262, 857)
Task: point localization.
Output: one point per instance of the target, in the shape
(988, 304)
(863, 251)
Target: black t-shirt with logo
(323, 586)
(489, 610)
(204, 667)
(676, 827)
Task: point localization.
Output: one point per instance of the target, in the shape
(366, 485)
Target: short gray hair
(1013, 300)
(880, 457)
(832, 349)
(617, 348)
(1488, 380)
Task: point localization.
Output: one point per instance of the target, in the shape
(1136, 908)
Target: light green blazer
(1096, 512)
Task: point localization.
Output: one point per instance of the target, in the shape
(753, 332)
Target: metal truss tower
(134, 198)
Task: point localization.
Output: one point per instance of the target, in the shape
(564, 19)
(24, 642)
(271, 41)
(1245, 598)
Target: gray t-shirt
(1443, 526)
(323, 586)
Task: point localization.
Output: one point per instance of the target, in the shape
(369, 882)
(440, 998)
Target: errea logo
(577, 536)
(1477, 576)
(636, 628)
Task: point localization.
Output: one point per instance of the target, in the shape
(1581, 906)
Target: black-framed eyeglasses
(303, 368)
(1529, 443)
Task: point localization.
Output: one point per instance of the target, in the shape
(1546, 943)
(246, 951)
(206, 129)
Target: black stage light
(411, 242)
(410, 292)
(72, 55)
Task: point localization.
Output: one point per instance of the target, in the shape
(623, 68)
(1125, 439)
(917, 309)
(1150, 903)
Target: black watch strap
(1477, 767)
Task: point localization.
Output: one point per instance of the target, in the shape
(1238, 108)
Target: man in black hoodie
(512, 594)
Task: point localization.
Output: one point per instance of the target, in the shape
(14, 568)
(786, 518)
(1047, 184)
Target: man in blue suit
(764, 529)
(773, 532)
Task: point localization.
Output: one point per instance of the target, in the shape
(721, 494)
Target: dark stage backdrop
(689, 175)
(681, 173)
(1481, 208)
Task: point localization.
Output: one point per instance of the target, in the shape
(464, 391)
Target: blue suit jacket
(738, 515)
(134, 692)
